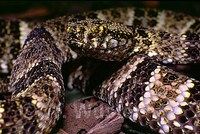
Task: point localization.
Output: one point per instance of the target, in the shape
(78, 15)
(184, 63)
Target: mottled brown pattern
(143, 90)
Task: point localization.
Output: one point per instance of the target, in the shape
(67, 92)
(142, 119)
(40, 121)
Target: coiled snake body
(143, 90)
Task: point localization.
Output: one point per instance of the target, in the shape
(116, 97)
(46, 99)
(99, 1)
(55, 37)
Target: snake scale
(143, 90)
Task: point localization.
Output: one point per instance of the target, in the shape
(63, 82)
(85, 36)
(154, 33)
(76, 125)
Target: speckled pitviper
(143, 90)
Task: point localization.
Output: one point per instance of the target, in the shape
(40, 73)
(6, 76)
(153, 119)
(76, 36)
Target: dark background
(49, 9)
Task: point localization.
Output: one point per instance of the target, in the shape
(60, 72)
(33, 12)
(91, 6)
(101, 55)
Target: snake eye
(28, 110)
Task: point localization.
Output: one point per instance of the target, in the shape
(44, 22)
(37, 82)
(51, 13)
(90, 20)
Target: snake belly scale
(143, 90)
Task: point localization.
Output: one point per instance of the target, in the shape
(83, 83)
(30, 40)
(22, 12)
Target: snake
(143, 89)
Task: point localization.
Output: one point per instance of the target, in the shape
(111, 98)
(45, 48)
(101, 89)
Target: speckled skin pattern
(143, 90)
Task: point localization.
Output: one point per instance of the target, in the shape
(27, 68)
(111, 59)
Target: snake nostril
(28, 109)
